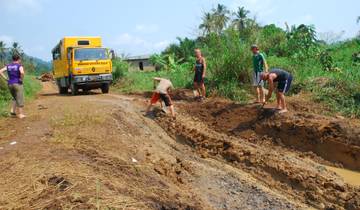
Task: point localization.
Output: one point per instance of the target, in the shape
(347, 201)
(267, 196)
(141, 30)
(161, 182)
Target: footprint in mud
(60, 182)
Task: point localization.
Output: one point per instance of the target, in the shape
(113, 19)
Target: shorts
(198, 78)
(17, 93)
(284, 86)
(257, 82)
(164, 97)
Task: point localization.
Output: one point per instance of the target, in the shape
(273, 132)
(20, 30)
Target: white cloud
(7, 39)
(147, 28)
(127, 39)
(161, 45)
(135, 44)
(21, 6)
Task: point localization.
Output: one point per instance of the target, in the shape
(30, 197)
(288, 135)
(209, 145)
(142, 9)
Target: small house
(140, 63)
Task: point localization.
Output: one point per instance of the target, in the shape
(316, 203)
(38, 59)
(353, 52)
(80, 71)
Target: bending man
(162, 92)
(284, 79)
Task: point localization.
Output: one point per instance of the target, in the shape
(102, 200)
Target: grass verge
(31, 88)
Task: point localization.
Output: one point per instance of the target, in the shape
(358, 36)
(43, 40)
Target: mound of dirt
(332, 139)
(46, 77)
(290, 175)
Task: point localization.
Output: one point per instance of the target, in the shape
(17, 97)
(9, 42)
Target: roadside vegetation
(33, 67)
(328, 69)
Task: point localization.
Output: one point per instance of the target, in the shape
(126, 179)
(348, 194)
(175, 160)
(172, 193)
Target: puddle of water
(350, 177)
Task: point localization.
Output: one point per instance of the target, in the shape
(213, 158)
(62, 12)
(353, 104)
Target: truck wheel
(63, 90)
(74, 89)
(105, 88)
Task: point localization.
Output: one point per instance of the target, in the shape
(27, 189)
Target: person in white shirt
(162, 91)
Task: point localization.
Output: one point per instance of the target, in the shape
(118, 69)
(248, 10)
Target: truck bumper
(92, 80)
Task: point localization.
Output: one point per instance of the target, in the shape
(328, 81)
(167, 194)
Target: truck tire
(63, 90)
(105, 88)
(74, 89)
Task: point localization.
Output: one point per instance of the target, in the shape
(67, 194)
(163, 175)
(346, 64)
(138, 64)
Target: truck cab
(81, 63)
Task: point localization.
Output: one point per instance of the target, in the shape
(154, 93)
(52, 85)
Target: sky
(137, 27)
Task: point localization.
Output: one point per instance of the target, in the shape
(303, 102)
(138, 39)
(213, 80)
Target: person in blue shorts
(284, 80)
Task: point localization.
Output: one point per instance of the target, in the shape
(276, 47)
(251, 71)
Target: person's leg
(13, 108)
(282, 102)
(203, 90)
(21, 113)
(148, 107)
(168, 103)
(278, 101)
(172, 111)
(155, 98)
(196, 90)
(20, 100)
(261, 94)
(258, 95)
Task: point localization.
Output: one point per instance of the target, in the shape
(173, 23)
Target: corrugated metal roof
(139, 57)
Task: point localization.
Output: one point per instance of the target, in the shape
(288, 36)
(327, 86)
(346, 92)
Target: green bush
(340, 95)
(31, 87)
(119, 70)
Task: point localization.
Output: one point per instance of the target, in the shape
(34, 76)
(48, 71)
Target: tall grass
(136, 81)
(31, 87)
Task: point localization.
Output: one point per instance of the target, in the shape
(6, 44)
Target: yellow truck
(81, 63)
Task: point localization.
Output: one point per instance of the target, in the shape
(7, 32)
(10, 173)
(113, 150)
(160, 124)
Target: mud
(81, 156)
(301, 179)
(332, 139)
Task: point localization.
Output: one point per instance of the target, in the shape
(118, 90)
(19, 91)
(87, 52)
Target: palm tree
(207, 24)
(241, 17)
(221, 17)
(16, 49)
(2, 51)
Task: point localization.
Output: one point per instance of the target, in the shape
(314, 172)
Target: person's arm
(22, 73)
(266, 66)
(205, 67)
(271, 86)
(2, 73)
(156, 79)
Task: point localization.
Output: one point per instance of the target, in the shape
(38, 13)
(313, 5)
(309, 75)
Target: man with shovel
(162, 91)
(284, 80)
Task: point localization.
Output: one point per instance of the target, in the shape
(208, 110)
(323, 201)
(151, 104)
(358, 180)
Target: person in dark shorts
(200, 72)
(260, 65)
(162, 92)
(284, 80)
(15, 72)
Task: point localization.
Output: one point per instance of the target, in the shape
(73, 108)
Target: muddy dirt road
(100, 152)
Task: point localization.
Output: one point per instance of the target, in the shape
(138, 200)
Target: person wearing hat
(260, 65)
(284, 80)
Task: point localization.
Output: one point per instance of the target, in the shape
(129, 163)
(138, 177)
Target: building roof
(139, 57)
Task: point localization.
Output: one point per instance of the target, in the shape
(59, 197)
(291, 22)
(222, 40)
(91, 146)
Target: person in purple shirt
(15, 72)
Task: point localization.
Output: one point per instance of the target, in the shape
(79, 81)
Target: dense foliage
(33, 66)
(225, 41)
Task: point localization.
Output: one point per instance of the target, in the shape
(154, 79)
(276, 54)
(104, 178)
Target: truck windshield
(90, 54)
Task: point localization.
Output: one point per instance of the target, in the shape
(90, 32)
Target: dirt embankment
(99, 151)
(332, 139)
(281, 151)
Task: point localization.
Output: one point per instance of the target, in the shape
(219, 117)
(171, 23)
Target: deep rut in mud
(271, 147)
